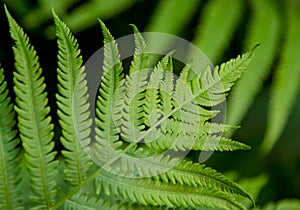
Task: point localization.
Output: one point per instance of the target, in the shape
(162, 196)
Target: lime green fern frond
(73, 106)
(10, 158)
(264, 28)
(147, 191)
(216, 27)
(209, 88)
(36, 129)
(135, 85)
(286, 82)
(109, 91)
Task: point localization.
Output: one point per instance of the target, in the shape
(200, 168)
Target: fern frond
(34, 122)
(209, 88)
(86, 202)
(198, 175)
(112, 80)
(135, 86)
(286, 82)
(10, 158)
(192, 141)
(265, 26)
(217, 26)
(152, 192)
(73, 106)
(176, 171)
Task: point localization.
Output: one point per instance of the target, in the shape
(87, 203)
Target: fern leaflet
(36, 129)
(73, 106)
(286, 84)
(264, 29)
(10, 157)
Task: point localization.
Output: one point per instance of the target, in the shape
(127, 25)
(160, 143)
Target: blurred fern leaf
(264, 29)
(285, 86)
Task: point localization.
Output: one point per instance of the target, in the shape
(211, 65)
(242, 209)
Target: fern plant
(143, 121)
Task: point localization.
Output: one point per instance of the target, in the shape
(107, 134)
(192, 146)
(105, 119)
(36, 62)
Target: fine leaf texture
(264, 29)
(73, 106)
(36, 129)
(285, 87)
(139, 118)
(216, 27)
(10, 157)
(147, 191)
(135, 85)
(209, 88)
(111, 82)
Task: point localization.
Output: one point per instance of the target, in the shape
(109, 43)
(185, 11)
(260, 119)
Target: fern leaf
(10, 159)
(86, 202)
(264, 29)
(198, 175)
(112, 79)
(286, 82)
(152, 192)
(209, 88)
(34, 124)
(73, 106)
(176, 171)
(190, 141)
(217, 26)
(135, 86)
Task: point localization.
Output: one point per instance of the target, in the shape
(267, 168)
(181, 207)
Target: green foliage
(264, 28)
(76, 17)
(216, 26)
(74, 117)
(132, 138)
(10, 152)
(34, 122)
(285, 87)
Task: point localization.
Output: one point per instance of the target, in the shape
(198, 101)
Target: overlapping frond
(142, 120)
(286, 80)
(264, 29)
(153, 192)
(10, 158)
(109, 103)
(216, 27)
(34, 123)
(173, 119)
(73, 106)
(135, 85)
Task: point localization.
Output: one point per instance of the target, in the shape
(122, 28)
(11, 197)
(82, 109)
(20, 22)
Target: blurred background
(265, 102)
